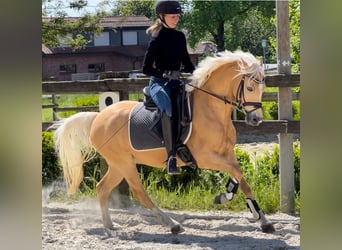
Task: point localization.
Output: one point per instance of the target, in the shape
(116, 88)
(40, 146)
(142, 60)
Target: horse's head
(250, 89)
(249, 96)
(235, 78)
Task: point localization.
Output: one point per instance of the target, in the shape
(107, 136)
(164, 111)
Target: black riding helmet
(167, 7)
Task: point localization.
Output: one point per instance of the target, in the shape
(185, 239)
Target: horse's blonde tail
(73, 145)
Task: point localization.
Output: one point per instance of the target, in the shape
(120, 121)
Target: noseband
(240, 96)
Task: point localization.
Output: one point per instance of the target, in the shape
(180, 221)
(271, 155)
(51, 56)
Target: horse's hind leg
(104, 188)
(258, 214)
(139, 192)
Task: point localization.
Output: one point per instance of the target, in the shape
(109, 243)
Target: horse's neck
(209, 108)
(220, 83)
(211, 122)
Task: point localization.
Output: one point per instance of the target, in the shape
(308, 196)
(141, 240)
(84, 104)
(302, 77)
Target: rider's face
(171, 20)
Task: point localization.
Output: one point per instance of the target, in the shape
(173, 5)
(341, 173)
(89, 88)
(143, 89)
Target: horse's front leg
(231, 166)
(258, 214)
(231, 188)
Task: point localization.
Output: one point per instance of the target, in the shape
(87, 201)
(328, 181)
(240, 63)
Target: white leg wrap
(254, 208)
(232, 185)
(232, 188)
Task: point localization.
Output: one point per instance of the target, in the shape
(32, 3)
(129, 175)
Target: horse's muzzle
(254, 116)
(253, 119)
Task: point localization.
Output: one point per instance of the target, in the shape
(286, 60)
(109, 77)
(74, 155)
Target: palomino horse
(218, 84)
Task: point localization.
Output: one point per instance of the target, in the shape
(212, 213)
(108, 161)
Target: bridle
(240, 102)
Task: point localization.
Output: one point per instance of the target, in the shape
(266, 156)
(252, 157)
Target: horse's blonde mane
(247, 63)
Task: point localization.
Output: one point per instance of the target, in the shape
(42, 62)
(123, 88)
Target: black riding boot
(169, 143)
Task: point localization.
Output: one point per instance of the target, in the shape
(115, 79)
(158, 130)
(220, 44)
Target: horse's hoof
(268, 228)
(220, 199)
(217, 199)
(177, 229)
(108, 226)
(111, 227)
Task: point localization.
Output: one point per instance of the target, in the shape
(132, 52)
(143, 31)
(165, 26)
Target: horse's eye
(249, 88)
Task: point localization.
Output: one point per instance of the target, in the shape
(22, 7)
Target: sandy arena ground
(79, 226)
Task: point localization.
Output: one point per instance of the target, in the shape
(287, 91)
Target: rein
(222, 98)
(239, 96)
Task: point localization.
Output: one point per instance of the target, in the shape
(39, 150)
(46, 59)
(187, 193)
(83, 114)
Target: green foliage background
(50, 169)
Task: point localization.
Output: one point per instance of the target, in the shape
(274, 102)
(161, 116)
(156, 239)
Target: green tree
(206, 19)
(134, 7)
(58, 27)
(248, 32)
(294, 18)
(294, 11)
(213, 20)
(229, 24)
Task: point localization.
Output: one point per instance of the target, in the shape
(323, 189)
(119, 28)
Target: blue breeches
(161, 91)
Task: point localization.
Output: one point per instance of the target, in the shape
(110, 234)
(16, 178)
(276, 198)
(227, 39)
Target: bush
(296, 156)
(260, 172)
(273, 110)
(50, 168)
(92, 175)
(270, 111)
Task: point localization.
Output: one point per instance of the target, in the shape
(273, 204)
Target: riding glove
(172, 74)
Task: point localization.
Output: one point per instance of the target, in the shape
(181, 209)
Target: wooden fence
(125, 86)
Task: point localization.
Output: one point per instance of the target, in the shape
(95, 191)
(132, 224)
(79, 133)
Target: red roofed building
(120, 47)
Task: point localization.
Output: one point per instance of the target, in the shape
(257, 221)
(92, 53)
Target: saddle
(145, 131)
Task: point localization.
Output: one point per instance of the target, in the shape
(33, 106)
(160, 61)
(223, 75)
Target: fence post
(124, 95)
(286, 161)
(54, 110)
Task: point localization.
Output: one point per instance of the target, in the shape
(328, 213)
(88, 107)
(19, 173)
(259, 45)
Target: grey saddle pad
(145, 131)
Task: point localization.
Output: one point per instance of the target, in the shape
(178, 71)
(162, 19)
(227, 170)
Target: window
(129, 38)
(102, 39)
(69, 68)
(96, 67)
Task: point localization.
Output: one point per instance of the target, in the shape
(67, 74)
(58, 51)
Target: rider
(165, 58)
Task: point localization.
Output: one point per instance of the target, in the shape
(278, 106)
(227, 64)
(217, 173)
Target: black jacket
(167, 51)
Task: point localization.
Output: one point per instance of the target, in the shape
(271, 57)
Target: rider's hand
(172, 74)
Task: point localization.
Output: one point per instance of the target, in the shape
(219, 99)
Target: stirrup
(172, 166)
